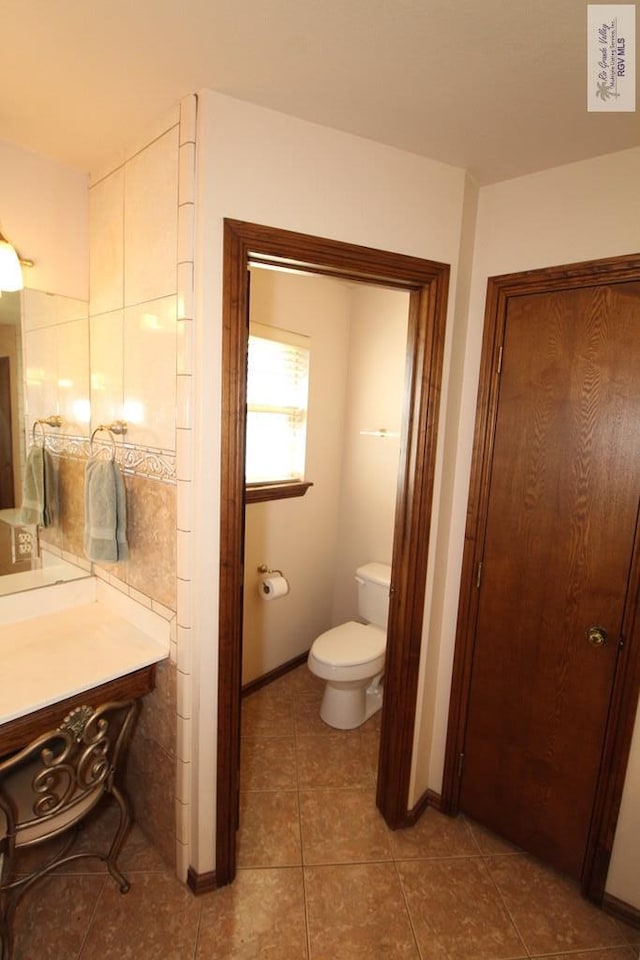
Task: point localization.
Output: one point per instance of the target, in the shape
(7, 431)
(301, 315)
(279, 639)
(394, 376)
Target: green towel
(105, 512)
(39, 489)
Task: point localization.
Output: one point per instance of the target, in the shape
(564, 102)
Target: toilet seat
(349, 645)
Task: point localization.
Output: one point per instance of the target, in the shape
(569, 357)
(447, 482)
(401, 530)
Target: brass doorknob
(597, 636)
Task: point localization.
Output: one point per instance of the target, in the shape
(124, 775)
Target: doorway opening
(324, 406)
(427, 285)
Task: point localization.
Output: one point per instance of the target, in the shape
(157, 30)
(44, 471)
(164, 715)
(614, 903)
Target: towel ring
(117, 427)
(52, 421)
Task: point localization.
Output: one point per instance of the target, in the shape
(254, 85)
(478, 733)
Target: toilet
(351, 657)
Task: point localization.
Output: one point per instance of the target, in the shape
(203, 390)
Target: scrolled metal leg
(118, 840)
(7, 908)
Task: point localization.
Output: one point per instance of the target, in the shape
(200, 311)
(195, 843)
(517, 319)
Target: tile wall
(127, 357)
(140, 310)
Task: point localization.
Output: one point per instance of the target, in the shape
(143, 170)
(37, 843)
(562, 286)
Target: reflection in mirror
(44, 371)
(11, 401)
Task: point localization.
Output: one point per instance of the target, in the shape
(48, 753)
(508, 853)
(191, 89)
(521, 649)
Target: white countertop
(49, 658)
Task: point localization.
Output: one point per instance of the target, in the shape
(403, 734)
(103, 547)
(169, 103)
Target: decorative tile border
(148, 462)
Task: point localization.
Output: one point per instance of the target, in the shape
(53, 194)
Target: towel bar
(118, 427)
(53, 421)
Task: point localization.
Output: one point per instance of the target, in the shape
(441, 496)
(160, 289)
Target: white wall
(44, 213)
(623, 880)
(569, 214)
(377, 361)
(299, 535)
(262, 166)
(258, 165)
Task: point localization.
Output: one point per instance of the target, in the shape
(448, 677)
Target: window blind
(277, 396)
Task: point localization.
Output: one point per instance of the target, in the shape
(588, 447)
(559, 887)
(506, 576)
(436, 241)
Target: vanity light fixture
(10, 267)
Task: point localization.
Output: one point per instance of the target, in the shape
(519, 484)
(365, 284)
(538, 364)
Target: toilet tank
(374, 580)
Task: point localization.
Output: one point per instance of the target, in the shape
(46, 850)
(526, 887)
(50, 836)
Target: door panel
(561, 521)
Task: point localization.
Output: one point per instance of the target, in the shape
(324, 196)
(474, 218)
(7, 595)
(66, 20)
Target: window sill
(261, 492)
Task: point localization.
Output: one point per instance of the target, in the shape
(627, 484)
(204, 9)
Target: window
(277, 395)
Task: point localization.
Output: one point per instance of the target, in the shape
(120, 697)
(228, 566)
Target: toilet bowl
(350, 657)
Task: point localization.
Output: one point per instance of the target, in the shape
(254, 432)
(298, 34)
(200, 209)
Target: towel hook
(118, 427)
(53, 421)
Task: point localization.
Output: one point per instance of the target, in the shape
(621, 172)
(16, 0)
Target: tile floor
(320, 876)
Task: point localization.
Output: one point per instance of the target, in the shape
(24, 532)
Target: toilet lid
(350, 644)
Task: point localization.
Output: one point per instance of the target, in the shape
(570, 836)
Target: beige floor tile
(138, 853)
(342, 826)
(630, 934)
(269, 834)
(295, 683)
(345, 918)
(259, 917)
(308, 795)
(307, 715)
(266, 716)
(457, 912)
(303, 681)
(157, 918)
(612, 953)
(52, 919)
(434, 835)
(95, 836)
(548, 910)
(268, 763)
(337, 759)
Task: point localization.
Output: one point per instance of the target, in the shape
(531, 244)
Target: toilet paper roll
(270, 588)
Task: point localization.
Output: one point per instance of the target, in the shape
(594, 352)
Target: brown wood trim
(17, 733)
(427, 311)
(617, 745)
(235, 337)
(434, 800)
(275, 674)
(627, 681)
(428, 283)
(621, 910)
(428, 799)
(200, 883)
(275, 491)
(494, 320)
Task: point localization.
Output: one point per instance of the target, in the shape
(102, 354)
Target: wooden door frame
(8, 494)
(427, 284)
(626, 686)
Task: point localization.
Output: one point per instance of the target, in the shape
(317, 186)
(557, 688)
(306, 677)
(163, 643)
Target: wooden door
(7, 498)
(561, 520)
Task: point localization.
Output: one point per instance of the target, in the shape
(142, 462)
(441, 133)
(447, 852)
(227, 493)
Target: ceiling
(496, 87)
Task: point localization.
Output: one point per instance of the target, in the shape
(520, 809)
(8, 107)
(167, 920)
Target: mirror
(44, 372)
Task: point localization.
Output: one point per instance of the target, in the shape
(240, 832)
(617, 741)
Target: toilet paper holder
(264, 569)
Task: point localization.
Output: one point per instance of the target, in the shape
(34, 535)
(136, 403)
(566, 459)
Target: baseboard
(428, 799)
(621, 910)
(200, 883)
(280, 671)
